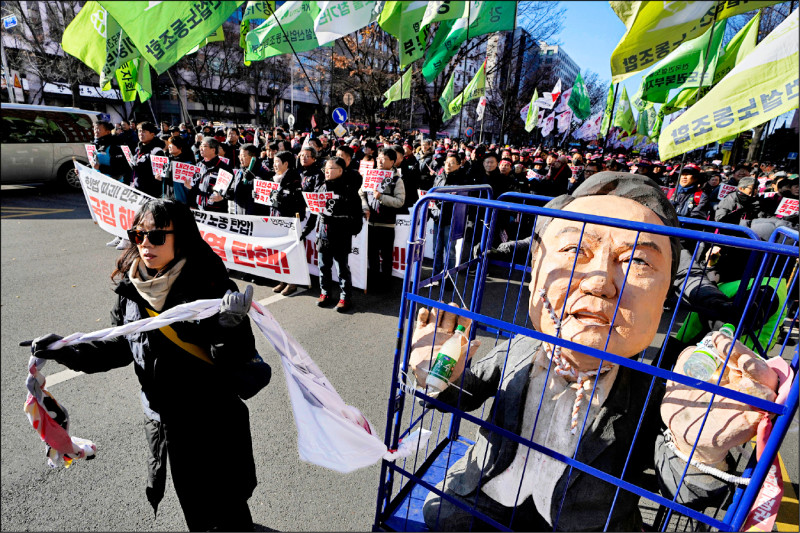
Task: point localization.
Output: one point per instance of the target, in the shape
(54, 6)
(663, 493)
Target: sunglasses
(157, 237)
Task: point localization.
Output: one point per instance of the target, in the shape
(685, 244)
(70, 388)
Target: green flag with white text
(403, 21)
(297, 20)
(533, 112)
(484, 17)
(447, 97)
(655, 29)
(400, 90)
(683, 68)
(763, 86)
(579, 99)
(474, 89)
(164, 32)
(623, 116)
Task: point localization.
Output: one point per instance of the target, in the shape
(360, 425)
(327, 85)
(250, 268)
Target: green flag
(217, 36)
(656, 132)
(643, 123)
(297, 20)
(400, 90)
(403, 21)
(134, 78)
(533, 112)
(737, 49)
(255, 10)
(474, 89)
(484, 17)
(441, 10)
(607, 113)
(763, 86)
(683, 68)
(655, 29)
(579, 99)
(164, 32)
(447, 97)
(623, 116)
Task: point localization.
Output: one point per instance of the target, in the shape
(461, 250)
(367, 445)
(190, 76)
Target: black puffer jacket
(118, 167)
(240, 192)
(288, 199)
(204, 188)
(189, 399)
(143, 178)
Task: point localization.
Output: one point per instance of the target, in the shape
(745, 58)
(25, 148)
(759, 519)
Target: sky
(591, 32)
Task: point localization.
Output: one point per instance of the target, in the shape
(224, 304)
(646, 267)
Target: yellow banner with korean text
(763, 86)
(655, 29)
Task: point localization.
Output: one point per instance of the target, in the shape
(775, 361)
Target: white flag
(547, 125)
(329, 26)
(481, 108)
(564, 120)
(562, 104)
(549, 99)
(523, 114)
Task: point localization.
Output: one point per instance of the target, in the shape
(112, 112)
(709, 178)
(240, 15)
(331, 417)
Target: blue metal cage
(492, 291)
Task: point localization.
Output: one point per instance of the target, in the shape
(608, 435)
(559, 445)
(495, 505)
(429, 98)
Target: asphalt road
(56, 278)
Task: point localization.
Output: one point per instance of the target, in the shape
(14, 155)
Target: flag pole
(319, 101)
(464, 73)
(508, 78)
(705, 66)
(483, 119)
(411, 97)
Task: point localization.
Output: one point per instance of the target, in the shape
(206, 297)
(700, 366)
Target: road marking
(61, 377)
(16, 212)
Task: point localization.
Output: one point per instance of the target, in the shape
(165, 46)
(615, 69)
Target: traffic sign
(339, 115)
(9, 22)
(727, 146)
(469, 132)
(348, 99)
(290, 120)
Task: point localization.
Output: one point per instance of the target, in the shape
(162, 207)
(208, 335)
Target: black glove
(234, 307)
(40, 344)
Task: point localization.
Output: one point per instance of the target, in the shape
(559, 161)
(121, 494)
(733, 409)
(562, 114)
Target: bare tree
(36, 47)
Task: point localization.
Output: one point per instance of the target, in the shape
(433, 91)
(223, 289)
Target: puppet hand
(432, 329)
(730, 423)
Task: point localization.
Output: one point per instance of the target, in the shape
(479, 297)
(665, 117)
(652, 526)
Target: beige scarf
(154, 289)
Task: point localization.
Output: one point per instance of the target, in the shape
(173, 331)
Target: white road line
(61, 377)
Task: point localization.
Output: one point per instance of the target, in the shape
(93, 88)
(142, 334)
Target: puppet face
(604, 255)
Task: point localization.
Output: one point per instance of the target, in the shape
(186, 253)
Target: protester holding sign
(335, 225)
(741, 205)
(149, 145)
(240, 191)
(171, 264)
(110, 158)
(174, 189)
(380, 205)
(210, 166)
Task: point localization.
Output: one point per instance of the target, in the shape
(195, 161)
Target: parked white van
(39, 142)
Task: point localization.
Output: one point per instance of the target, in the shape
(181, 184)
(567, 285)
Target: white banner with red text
(269, 247)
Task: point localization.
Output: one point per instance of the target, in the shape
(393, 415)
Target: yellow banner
(763, 86)
(655, 29)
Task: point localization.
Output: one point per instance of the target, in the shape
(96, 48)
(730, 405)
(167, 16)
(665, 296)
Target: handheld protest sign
(157, 163)
(91, 153)
(128, 155)
(223, 182)
(184, 173)
(373, 178)
(365, 166)
(264, 191)
(225, 160)
(318, 202)
(787, 207)
(725, 190)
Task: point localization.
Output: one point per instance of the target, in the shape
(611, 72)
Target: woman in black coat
(193, 417)
(287, 200)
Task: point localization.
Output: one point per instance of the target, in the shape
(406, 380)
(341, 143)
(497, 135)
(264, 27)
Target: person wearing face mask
(187, 396)
(741, 206)
(604, 415)
(335, 228)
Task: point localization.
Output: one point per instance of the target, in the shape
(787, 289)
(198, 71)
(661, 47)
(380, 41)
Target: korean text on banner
(184, 173)
(317, 202)
(364, 166)
(265, 246)
(374, 177)
(263, 191)
(224, 179)
(91, 153)
(655, 29)
(725, 190)
(788, 207)
(763, 86)
(128, 155)
(157, 163)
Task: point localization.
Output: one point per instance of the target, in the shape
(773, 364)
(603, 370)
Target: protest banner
(223, 182)
(533, 175)
(725, 190)
(365, 166)
(225, 160)
(157, 163)
(787, 207)
(269, 247)
(263, 191)
(357, 260)
(128, 156)
(373, 178)
(184, 173)
(91, 153)
(402, 234)
(317, 202)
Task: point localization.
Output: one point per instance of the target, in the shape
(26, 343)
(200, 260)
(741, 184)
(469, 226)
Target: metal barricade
(493, 294)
